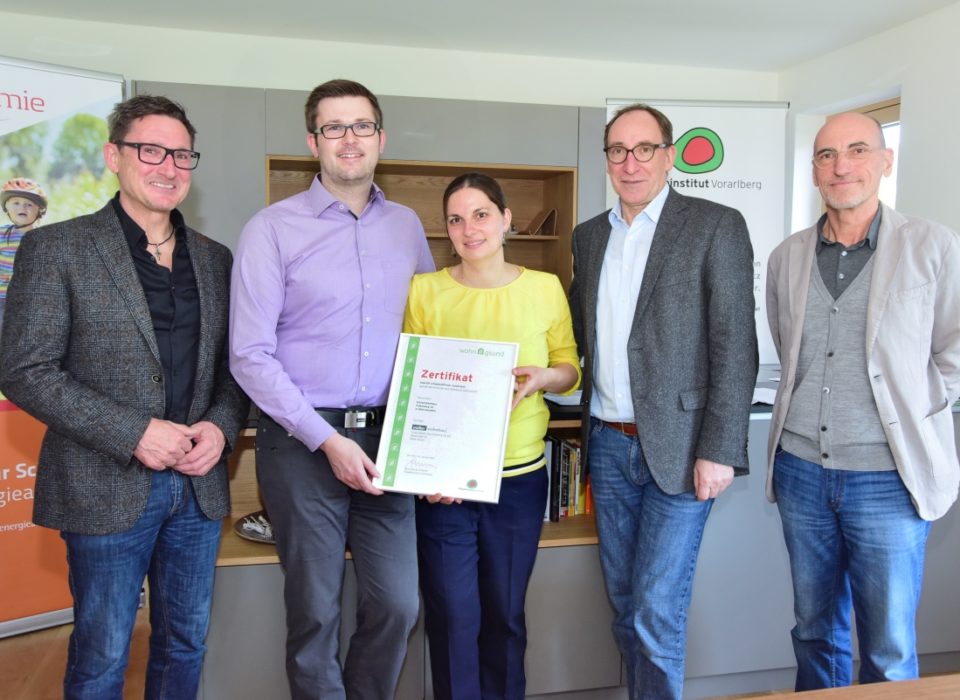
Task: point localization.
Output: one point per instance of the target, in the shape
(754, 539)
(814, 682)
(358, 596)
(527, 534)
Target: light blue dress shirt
(623, 265)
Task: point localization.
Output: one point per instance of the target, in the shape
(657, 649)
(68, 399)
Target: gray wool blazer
(79, 353)
(693, 344)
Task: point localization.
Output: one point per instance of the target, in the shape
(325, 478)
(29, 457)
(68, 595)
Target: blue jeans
(174, 545)
(476, 560)
(649, 542)
(855, 543)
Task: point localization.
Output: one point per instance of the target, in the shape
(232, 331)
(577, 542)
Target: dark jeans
(174, 545)
(649, 543)
(857, 544)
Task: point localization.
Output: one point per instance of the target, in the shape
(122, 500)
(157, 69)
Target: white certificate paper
(445, 429)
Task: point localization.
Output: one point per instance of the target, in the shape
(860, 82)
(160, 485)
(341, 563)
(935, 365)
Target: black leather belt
(355, 418)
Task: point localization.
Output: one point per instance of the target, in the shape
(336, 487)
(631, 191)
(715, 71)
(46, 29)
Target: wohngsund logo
(485, 352)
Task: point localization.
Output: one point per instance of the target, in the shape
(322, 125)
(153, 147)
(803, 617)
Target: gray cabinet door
(422, 128)
(569, 642)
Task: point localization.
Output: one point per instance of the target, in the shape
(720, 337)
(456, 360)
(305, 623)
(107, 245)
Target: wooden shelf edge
(515, 238)
(236, 551)
(554, 424)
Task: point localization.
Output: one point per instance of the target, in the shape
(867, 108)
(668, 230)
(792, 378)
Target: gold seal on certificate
(445, 430)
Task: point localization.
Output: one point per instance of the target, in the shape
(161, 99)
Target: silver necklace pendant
(156, 246)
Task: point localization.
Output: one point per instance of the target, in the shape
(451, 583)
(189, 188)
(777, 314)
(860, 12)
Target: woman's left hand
(530, 379)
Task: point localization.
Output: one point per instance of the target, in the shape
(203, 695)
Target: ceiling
(764, 35)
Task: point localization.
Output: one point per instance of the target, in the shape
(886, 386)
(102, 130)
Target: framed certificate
(445, 429)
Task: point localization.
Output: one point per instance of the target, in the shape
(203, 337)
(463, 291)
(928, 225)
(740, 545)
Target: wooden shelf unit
(245, 499)
(420, 185)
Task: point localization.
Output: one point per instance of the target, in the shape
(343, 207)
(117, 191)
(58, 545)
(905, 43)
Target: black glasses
(643, 152)
(152, 154)
(338, 131)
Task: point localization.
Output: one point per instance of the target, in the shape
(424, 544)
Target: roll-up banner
(733, 153)
(52, 130)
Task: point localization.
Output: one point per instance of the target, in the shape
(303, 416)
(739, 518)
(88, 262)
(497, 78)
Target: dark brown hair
(666, 128)
(127, 112)
(478, 181)
(338, 88)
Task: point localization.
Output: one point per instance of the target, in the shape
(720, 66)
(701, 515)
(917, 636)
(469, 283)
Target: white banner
(732, 153)
(31, 93)
(52, 130)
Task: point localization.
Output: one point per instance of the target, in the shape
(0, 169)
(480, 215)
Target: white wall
(919, 60)
(250, 61)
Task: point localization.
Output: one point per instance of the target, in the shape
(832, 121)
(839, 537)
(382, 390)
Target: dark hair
(125, 113)
(477, 181)
(666, 128)
(338, 88)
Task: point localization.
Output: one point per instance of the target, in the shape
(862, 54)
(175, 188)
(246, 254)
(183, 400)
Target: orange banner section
(33, 560)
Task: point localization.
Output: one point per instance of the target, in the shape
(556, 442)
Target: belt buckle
(355, 419)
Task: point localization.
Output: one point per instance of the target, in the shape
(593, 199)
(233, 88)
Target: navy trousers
(475, 563)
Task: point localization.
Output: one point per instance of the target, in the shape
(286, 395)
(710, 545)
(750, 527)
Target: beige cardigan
(912, 347)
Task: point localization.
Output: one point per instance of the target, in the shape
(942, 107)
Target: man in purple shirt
(319, 287)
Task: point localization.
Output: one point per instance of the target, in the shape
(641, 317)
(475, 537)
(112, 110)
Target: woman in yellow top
(476, 558)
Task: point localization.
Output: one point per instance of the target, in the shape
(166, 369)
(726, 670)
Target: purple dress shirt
(317, 302)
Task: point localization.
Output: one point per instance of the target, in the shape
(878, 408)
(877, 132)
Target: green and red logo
(472, 484)
(699, 150)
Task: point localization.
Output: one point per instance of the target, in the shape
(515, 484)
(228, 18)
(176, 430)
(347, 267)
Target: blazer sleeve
(945, 339)
(732, 348)
(35, 343)
(229, 406)
(576, 289)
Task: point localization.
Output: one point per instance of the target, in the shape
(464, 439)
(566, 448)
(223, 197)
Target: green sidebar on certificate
(445, 429)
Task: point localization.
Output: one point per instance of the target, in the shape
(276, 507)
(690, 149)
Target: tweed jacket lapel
(672, 220)
(596, 249)
(111, 245)
(208, 309)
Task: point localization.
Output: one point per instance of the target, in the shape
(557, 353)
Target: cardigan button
(156, 379)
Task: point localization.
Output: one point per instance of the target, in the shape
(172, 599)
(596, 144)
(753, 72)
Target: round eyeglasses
(643, 152)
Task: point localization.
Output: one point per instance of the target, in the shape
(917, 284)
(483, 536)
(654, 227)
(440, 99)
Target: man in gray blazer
(864, 308)
(663, 310)
(116, 337)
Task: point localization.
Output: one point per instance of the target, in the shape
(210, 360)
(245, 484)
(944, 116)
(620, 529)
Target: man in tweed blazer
(115, 337)
(663, 310)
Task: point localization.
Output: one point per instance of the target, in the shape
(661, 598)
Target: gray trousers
(315, 517)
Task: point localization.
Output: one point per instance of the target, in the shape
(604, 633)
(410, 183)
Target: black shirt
(174, 309)
(839, 265)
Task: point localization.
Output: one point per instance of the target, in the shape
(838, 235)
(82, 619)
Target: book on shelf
(569, 492)
(553, 494)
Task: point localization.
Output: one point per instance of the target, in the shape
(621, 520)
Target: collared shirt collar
(653, 210)
(136, 236)
(872, 233)
(321, 199)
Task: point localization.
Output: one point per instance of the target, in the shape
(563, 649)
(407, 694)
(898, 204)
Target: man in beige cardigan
(864, 308)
